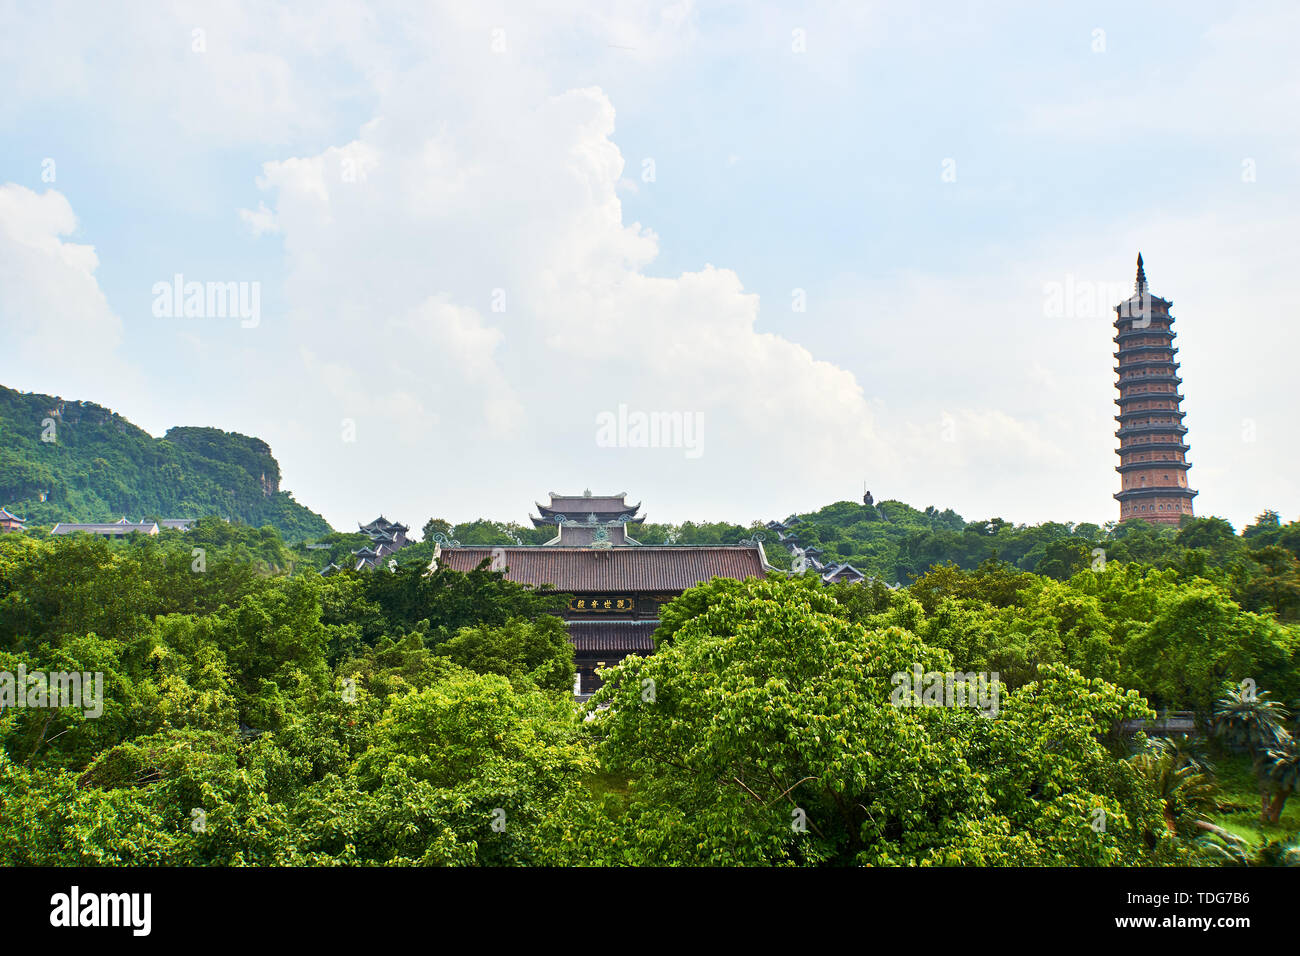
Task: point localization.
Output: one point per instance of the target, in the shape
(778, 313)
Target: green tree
(1198, 639)
(527, 652)
(767, 711)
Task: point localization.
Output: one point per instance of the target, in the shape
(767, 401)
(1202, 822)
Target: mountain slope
(91, 464)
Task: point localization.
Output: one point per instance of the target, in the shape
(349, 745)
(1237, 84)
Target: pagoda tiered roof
(1148, 396)
(1168, 363)
(1153, 463)
(1133, 349)
(1150, 380)
(1124, 336)
(606, 507)
(1146, 446)
(1154, 492)
(590, 521)
(382, 525)
(1126, 431)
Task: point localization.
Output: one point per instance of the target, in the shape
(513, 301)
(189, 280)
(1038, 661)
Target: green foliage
(256, 713)
(768, 708)
(1251, 722)
(1197, 639)
(1183, 781)
(445, 600)
(527, 652)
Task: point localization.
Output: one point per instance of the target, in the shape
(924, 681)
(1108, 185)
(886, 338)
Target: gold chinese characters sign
(602, 604)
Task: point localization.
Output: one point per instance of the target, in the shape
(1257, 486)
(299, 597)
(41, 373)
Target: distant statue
(868, 500)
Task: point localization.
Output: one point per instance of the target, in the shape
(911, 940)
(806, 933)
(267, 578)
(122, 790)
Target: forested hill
(899, 542)
(88, 463)
(893, 541)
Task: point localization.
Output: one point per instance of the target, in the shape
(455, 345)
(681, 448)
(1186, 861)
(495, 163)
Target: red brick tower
(1152, 450)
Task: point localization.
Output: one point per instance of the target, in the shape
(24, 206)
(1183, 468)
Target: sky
(486, 251)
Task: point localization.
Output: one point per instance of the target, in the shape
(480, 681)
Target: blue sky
(794, 147)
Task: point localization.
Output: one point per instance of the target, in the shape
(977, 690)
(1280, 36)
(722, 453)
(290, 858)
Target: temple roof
(382, 524)
(588, 509)
(647, 568)
(612, 635)
(842, 570)
(588, 504)
(584, 520)
(115, 527)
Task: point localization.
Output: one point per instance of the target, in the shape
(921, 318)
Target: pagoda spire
(1140, 285)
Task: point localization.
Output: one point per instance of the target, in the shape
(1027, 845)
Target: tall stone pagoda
(1152, 447)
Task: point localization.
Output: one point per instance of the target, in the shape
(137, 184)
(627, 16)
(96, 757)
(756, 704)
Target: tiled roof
(116, 527)
(616, 569)
(583, 505)
(382, 524)
(842, 570)
(612, 635)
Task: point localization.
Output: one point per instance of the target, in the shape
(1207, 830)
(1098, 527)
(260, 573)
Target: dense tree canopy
(255, 712)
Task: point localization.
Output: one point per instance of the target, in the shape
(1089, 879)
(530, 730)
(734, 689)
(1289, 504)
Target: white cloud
(260, 220)
(484, 271)
(58, 325)
(462, 279)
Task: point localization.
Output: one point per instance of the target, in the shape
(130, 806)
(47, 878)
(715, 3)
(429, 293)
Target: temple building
(589, 520)
(803, 558)
(11, 522)
(1152, 445)
(122, 527)
(386, 538)
(115, 529)
(617, 584)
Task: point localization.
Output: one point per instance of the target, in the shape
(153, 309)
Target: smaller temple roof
(121, 526)
(587, 504)
(587, 501)
(382, 524)
(588, 510)
(7, 515)
(843, 571)
(623, 636)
